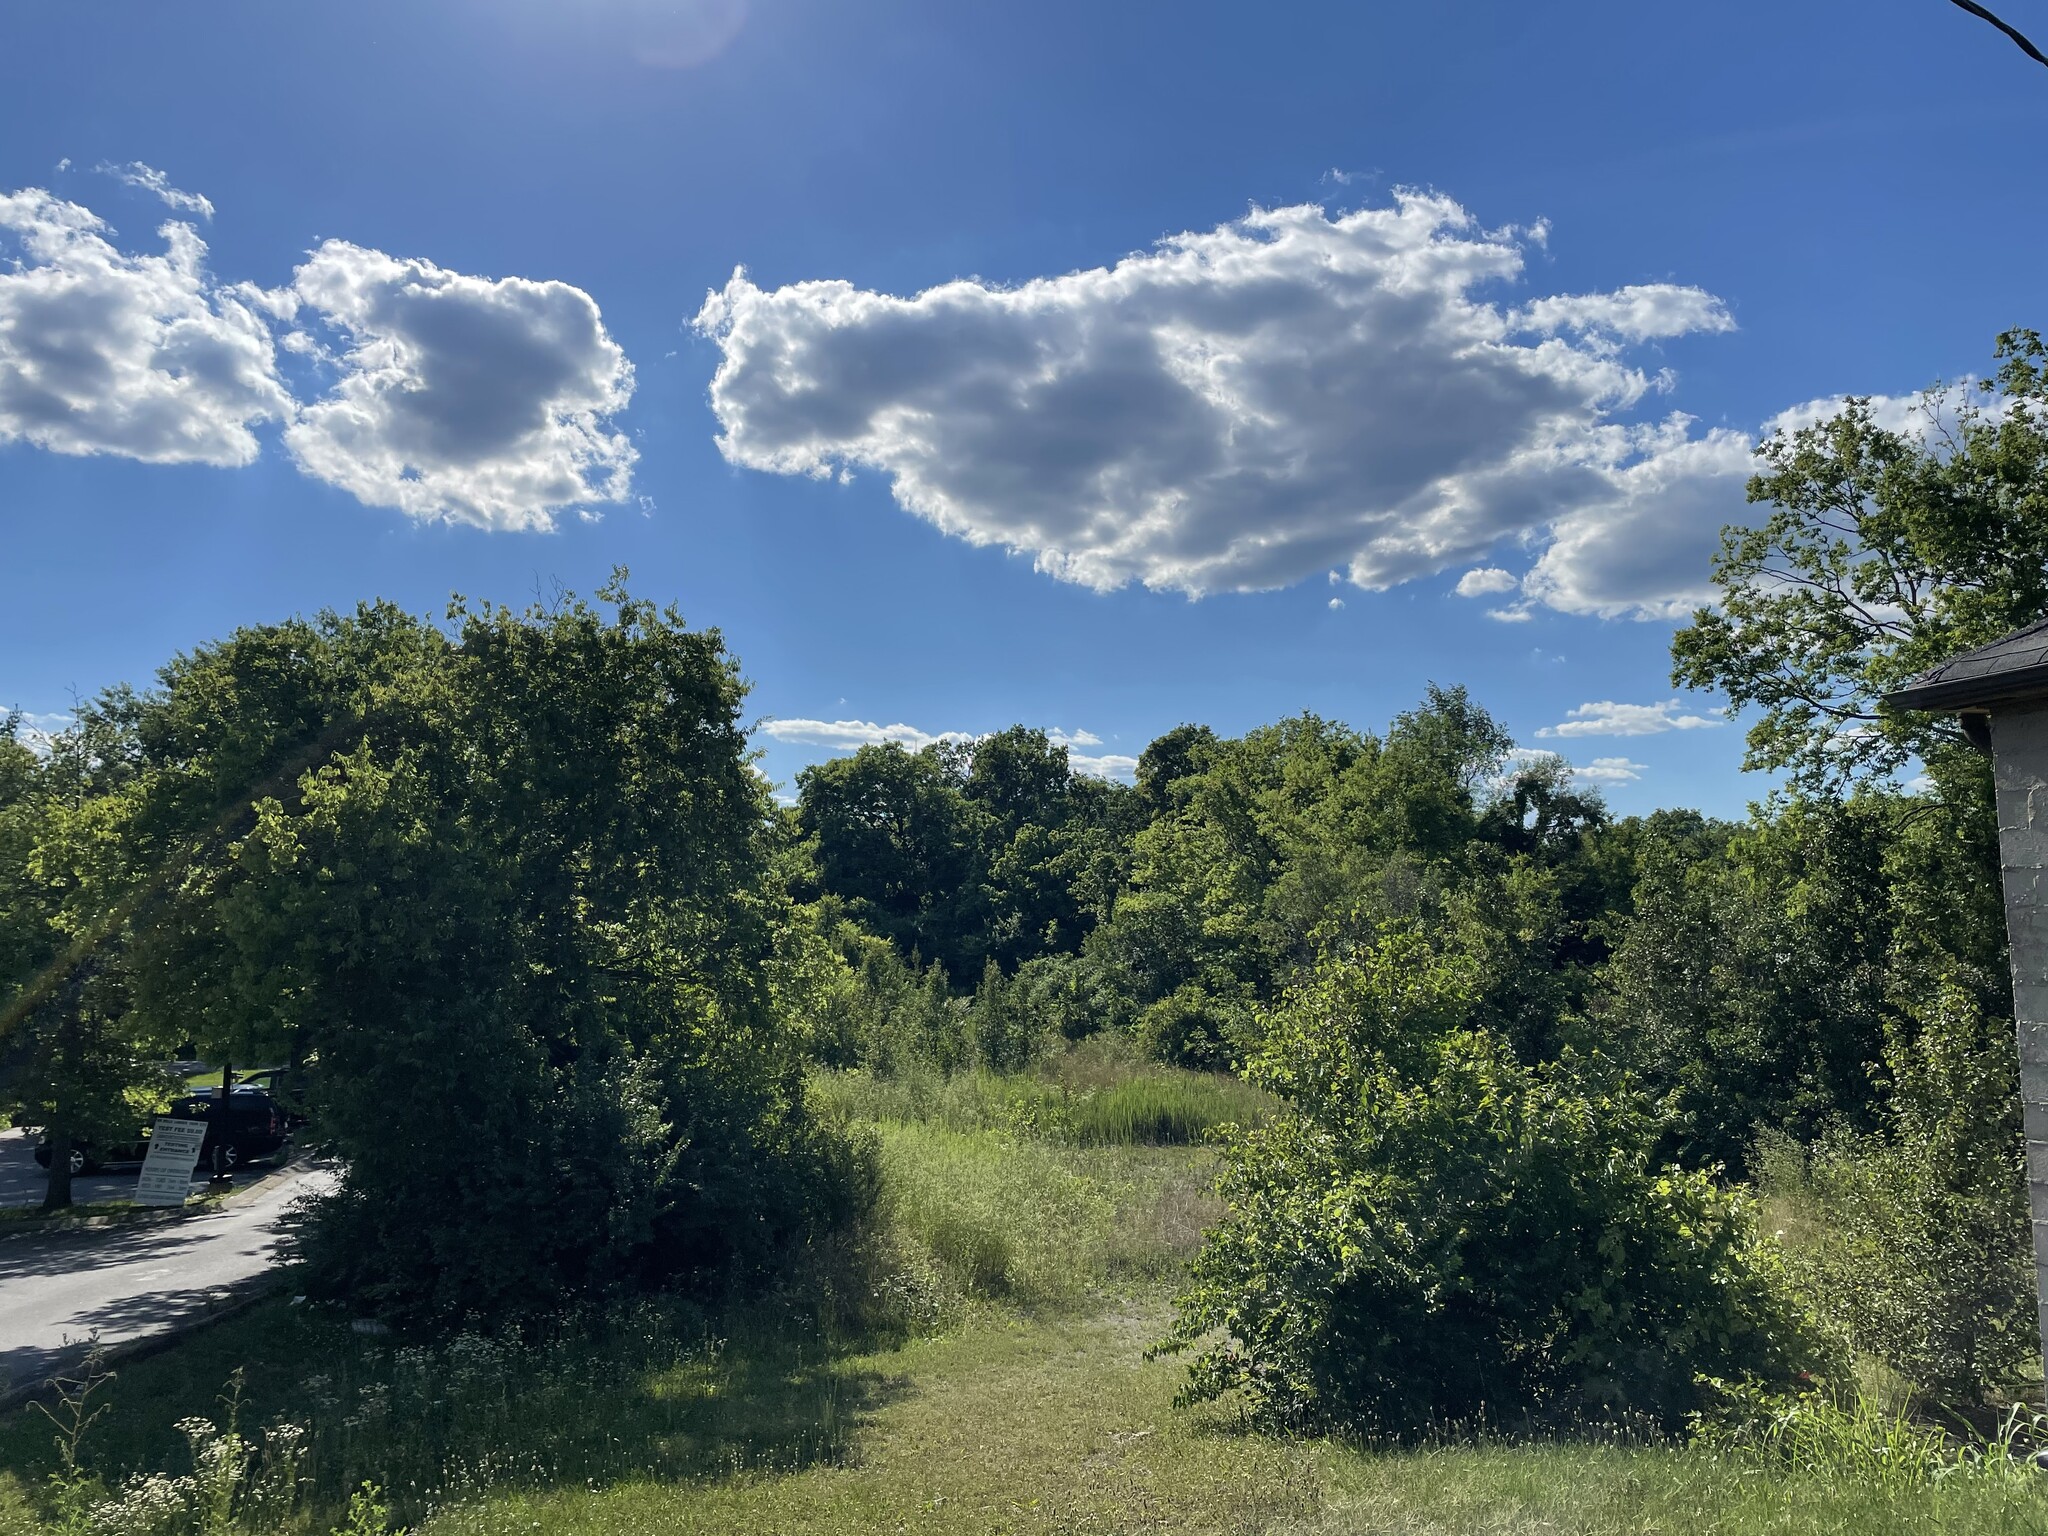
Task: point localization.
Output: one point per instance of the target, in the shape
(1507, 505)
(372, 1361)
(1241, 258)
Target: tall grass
(1035, 1224)
(1080, 1100)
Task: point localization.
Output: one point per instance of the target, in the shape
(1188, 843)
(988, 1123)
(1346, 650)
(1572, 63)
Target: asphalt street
(22, 1182)
(57, 1289)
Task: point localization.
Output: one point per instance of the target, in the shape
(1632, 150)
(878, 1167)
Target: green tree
(524, 916)
(1885, 552)
(74, 1060)
(1754, 983)
(894, 837)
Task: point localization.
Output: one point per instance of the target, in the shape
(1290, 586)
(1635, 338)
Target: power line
(2010, 31)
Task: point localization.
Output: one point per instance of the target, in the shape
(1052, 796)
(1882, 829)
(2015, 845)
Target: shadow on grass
(667, 1393)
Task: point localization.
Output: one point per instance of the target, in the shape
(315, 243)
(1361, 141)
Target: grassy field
(1026, 1269)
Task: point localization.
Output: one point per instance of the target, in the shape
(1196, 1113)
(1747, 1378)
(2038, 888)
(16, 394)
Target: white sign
(167, 1171)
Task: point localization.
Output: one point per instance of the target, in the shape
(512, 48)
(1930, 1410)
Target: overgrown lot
(994, 1378)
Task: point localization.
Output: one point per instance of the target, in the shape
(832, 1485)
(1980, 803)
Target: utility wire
(2010, 31)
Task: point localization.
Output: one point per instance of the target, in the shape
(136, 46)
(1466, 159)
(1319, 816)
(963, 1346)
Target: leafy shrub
(1191, 1027)
(1434, 1233)
(1921, 1253)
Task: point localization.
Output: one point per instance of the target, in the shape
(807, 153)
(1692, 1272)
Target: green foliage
(1006, 1035)
(1922, 1252)
(522, 914)
(1885, 552)
(1751, 986)
(1436, 1233)
(1190, 1028)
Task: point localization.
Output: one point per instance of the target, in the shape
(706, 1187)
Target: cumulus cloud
(103, 351)
(1610, 770)
(1642, 546)
(150, 179)
(447, 396)
(1109, 765)
(1629, 314)
(1601, 770)
(1486, 580)
(461, 398)
(1607, 718)
(1231, 410)
(848, 735)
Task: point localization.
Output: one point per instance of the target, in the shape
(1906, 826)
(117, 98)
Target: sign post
(167, 1171)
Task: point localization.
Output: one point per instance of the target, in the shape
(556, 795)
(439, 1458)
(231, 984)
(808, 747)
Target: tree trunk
(57, 1193)
(222, 1122)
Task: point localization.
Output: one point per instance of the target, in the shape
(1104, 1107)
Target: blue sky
(980, 449)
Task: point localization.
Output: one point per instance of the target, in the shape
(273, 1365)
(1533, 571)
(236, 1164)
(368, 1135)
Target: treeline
(1751, 974)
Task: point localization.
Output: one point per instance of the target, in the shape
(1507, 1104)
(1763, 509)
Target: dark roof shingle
(2010, 670)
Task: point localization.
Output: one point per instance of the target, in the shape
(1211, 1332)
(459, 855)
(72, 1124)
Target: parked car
(287, 1085)
(254, 1126)
(91, 1157)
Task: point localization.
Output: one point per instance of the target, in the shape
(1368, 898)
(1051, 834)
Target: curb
(151, 1216)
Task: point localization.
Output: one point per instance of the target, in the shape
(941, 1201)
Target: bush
(1921, 1253)
(1433, 1233)
(1191, 1027)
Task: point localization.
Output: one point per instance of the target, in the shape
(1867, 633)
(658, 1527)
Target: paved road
(22, 1182)
(126, 1282)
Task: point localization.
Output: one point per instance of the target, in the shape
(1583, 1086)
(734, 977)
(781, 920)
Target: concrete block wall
(2019, 741)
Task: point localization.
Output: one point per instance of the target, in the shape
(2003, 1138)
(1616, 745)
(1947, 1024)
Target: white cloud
(459, 398)
(1486, 580)
(37, 731)
(1110, 765)
(456, 397)
(1610, 770)
(141, 356)
(150, 179)
(1234, 410)
(847, 735)
(1630, 314)
(850, 735)
(1642, 545)
(1607, 718)
(1519, 614)
(1602, 770)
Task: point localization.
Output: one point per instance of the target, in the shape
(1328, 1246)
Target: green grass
(1053, 1425)
(1038, 1225)
(1025, 1275)
(1086, 1098)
